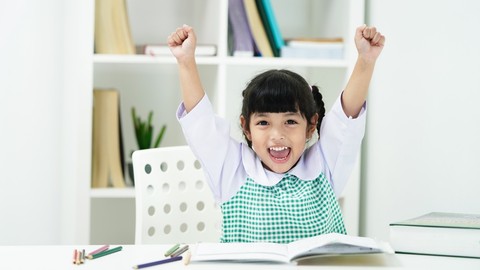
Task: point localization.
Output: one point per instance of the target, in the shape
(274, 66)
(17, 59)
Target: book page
(332, 244)
(253, 252)
(440, 219)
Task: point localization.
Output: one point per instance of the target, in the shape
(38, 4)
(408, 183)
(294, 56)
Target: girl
(275, 188)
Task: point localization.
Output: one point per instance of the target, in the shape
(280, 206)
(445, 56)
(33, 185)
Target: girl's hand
(369, 42)
(182, 43)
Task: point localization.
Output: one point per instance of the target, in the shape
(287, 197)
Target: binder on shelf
(107, 157)
(257, 28)
(272, 29)
(112, 28)
(241, 40)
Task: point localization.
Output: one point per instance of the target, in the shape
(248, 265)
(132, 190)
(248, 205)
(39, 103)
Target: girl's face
(279, 139)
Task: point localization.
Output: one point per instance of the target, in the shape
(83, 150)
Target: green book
(438, 233)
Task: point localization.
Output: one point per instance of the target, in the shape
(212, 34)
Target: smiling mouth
(279, 153)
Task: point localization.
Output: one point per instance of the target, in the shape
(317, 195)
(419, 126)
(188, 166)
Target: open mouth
(279, 153)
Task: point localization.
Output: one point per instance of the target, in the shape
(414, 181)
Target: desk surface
(60, 257)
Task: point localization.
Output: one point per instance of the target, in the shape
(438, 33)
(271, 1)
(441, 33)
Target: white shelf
(146, 59)
(105, 193)
(214, 60)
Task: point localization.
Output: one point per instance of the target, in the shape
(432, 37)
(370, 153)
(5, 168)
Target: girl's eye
(291, 122)
(262, 123)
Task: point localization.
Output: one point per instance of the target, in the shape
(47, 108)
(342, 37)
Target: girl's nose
(277, 134)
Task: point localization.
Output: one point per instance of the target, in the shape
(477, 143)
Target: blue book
(271, 26)
(241, 40)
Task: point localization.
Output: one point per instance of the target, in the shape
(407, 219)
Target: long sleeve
(209, 138)
(340, 143)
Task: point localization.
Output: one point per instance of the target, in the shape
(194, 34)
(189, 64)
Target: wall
(422, 148)
(30, 107)
(43, 69)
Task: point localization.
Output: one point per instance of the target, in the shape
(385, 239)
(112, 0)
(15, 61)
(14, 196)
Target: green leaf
(160, 136)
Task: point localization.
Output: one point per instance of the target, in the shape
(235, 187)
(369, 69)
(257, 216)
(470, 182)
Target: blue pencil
(178, 258)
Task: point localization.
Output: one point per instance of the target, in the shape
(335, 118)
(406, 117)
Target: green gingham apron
(288, 211)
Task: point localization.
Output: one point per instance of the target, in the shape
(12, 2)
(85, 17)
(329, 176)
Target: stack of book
(254, 31)
(313, 48)
(437, 233)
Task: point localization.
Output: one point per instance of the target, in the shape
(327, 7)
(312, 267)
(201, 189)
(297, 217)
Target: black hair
(276, 91)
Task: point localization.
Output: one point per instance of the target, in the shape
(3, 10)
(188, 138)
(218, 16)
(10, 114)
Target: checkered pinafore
(288, 211)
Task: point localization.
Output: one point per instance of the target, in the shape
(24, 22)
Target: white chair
(173, 202)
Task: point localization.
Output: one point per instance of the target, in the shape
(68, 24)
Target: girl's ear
(245, 129)
(312, 126)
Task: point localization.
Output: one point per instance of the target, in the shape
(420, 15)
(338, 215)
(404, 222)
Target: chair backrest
(173, 202)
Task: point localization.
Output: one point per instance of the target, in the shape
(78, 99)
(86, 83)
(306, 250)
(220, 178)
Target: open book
(322, 245)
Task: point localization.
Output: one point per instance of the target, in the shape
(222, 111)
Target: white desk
(60, 257)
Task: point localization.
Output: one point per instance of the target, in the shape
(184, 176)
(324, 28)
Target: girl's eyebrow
(264, 114)
(260, 114)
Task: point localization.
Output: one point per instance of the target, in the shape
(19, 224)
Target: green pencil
(171, 250)
(103, 253)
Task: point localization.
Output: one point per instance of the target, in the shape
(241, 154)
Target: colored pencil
(105, 247)
(104, 253)
(74, 256)
(77, 259)
(186, 258)
(171, 250)
(82, 257)
(172, 259)
(179, 251)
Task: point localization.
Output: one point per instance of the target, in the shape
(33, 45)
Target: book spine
(112, 28)
(258, 29)
(277, 35)
(268, 29)
(107, 158)
(243, 43)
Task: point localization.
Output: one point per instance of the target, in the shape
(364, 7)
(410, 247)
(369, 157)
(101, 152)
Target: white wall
(40, 136)
(422, 148)
(30, 121)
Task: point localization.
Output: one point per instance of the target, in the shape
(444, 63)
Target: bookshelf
(151, 83)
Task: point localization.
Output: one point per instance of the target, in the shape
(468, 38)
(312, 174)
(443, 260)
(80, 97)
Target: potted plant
(144, 135)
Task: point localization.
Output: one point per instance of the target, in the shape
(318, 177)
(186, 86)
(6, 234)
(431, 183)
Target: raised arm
(369, 45)
(182, 44)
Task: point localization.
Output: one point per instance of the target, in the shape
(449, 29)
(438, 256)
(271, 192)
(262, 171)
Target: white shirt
(227, 163)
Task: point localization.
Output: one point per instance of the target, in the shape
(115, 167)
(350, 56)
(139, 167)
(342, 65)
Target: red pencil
(74, 256)
(105, 247)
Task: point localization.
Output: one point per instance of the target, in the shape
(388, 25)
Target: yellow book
(257, 28)
(112, 28)
(106, 153)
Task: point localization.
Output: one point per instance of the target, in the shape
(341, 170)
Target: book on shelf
(112, 28)
(107, 157)
(332, 244)
(272, 29)
(240, 38)
(318, 48)
(257, 28)
(164, 50)
(438, 233)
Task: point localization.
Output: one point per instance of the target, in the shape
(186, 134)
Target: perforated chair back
(173, 202)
